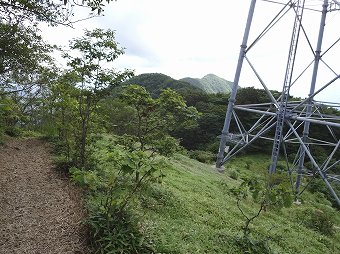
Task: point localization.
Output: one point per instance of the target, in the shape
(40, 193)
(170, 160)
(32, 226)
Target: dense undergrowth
(139, 204)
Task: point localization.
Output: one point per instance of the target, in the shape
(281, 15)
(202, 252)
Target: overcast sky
(191, 38)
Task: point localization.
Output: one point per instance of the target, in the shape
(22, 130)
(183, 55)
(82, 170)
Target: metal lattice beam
(280, 120)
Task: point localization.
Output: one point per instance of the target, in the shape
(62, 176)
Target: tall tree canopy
(51, 11)
(22, 50)
(90, 53)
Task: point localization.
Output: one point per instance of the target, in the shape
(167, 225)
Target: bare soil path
(40, 212)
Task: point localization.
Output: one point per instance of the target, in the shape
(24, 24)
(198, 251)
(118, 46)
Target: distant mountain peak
(210, 83)
(156, 82)
(211, 75)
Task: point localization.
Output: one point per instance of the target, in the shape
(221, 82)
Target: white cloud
(183, 38)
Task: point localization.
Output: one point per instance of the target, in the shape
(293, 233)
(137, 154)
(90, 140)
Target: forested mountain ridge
(155, 82)
(210, 83)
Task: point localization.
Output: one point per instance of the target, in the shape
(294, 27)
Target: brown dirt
(40, 212)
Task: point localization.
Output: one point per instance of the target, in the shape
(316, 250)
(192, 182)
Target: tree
(154, 119)
(274, 193)
(9, 116)
(212, 109)
(26, 93)
(63, 103)
(22, 49)
(89, 53)
(52, 12)
(22, 52)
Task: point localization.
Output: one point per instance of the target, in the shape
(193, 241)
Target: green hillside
(156, 82)
(210, 83)
(194, 210)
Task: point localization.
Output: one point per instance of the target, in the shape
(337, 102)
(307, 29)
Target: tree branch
(16, 91)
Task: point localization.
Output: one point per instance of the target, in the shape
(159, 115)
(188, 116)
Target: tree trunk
(84, 128)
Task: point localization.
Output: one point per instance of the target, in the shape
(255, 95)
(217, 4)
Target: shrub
(30, 133)
(13, 131)
(274, 197)
(113, 185)
(280, 167)
(202, 156)
(318, 185)
(319, 220)
(62, 164)
(234, 174)
(213, 147)
(248, 164)
(251, 246)
(117, 232)
(166, 146)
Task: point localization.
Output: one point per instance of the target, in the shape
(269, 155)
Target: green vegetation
(188, 207)
(96, 48)
(210, 84)
(117, 176)
(156, 82)
(142, 149)
(52, 12)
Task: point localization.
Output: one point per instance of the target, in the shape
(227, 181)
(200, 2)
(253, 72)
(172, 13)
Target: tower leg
(322, 174)
(231, 103)
(310, 100)
(281, 112)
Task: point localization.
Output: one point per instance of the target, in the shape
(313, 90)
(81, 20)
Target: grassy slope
(192, 211)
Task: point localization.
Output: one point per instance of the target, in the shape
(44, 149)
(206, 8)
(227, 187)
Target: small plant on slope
(113, 186)
(274, 194)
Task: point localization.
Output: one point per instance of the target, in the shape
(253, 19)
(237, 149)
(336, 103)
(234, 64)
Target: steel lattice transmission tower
(288, 124)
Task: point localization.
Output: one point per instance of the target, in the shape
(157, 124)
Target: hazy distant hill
(210, 83)
(156, 82)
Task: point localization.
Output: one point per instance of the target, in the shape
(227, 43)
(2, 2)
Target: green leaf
(127, 169)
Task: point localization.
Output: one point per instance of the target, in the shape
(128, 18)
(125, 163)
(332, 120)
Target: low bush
(116, 232)
(248, 164)
(156, 198)
(320, 220)
(234, 174)
(13, 131)
(31, 134)
(251, 246)
(318, 185)
(202, 156)
(113, 187)
(62, 164)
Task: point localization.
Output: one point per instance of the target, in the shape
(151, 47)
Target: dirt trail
(40, 212)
